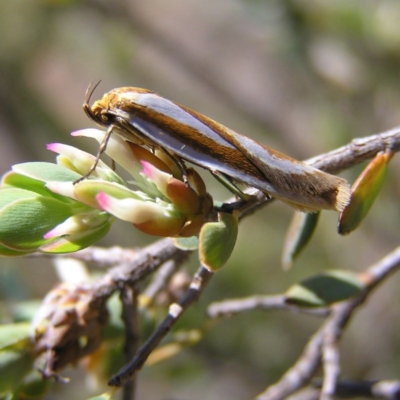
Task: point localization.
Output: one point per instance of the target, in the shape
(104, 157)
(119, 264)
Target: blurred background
(304, 77)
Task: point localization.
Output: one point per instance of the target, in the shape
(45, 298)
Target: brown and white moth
(143, 117)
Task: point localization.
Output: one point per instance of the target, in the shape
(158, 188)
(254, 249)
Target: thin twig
(386, 390)
(267, 303)
(102, 257)
(130, 316)
(305, 367)
(389, 390)
(357, 151)
(198, 284)
(331, 363)
(331, 334)
(160, 280)
(142, 264)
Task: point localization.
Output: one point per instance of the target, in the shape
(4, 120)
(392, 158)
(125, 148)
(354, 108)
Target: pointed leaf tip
(363, 193)
(300, 231)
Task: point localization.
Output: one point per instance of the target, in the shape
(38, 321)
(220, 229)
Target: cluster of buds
(46, 207)
(57, 208)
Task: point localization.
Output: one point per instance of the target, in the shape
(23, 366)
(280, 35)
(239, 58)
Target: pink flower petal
(147, 169)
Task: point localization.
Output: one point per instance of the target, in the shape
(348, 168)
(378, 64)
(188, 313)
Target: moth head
(99, 112)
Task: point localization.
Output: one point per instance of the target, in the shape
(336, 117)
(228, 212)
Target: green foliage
(217, 241)
(30, 212)
(325, 289)
(16, 360)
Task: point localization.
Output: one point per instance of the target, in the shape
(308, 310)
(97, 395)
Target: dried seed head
(67, 327)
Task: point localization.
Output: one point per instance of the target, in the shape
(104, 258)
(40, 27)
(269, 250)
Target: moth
(144, 117)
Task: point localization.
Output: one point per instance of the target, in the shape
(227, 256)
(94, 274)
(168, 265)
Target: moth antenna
(89, 91)
(88, 95)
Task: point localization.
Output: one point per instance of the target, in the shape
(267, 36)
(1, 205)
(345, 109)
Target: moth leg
(102, 149)
(179, 163)
(229, 184)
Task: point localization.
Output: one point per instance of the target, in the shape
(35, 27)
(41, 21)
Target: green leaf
(187, 243)
(10, 194)
(12, 335)
(32, 387)
(46, 172)
(14, 365)
(363, 193)
(7, 252)
(25, 221)
(299, 234)
(32, 185)
(324, 289)
(217, 241)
